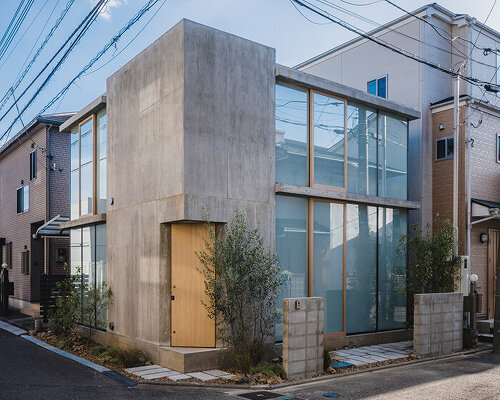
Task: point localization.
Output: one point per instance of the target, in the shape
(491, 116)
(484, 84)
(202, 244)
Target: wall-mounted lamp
(484, 237)
(441, 126)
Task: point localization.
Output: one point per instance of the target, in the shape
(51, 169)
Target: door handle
(172, 297)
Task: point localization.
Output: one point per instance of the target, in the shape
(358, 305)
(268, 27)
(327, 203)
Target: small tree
(64, 315)
(94, 304)
(432, 265)
(242, 279)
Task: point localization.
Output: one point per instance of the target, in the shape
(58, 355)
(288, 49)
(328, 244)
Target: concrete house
(202, 121)
(34, 189)
(451, 41)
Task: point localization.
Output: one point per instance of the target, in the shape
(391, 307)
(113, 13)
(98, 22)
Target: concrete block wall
(438, 323)
(303, 345)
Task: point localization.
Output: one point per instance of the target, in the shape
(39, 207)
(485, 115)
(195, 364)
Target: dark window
(33, 165)
(25, 259)
(378, 87)
(444, 148)
(382, 87)
(23, 199)
(372, 87)
(8, 254)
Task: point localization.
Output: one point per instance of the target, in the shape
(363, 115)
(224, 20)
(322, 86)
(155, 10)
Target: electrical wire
(15, 28)
(484, 23)
(86, 23)
(6, 97)
(114, 40)
(11, 22)
(360, 4)
(389, 46)
(129, 43)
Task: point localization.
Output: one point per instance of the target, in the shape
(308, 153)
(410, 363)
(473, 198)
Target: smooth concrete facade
(189, 133)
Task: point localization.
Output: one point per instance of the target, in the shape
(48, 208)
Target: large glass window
(291, 135)
(88, 263)
(328, 262)
(361, 150)
(101, 163)
(328, 117)
(86, 167)
(392, 225)
(291, 245)
(75, 173)
(361, 282)
(393, 157)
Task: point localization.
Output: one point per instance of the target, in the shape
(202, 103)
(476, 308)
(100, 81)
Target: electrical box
(298, 305)
(464, 275)
(61, 255)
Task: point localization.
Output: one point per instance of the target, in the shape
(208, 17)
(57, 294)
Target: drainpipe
(468, 195)
(456, 121)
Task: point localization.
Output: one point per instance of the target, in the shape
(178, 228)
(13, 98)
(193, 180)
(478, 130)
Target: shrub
(270, 370)
(64, 316)
(242, 279)
(432, 265)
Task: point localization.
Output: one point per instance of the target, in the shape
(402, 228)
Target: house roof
(436, 6)
(49, 119)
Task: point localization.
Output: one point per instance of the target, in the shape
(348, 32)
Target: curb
(12, 329)
(96, 367)
(316, 379)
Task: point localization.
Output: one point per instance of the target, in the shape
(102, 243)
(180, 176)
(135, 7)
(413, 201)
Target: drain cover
(263, 395)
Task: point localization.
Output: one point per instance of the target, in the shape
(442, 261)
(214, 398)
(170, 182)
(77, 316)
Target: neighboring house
(34, 189)
(451, 41)
(204, 121)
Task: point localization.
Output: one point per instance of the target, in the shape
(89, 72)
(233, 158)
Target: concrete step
(485, 326)
(485, 337)
(31, 312)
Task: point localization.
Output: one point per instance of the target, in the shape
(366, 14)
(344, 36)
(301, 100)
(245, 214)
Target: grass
(270, 370)
(128, 358)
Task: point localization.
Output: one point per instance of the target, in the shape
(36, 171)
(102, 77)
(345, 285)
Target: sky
(275, 23)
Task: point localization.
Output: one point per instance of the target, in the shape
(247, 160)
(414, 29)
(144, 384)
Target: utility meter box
(464, 275)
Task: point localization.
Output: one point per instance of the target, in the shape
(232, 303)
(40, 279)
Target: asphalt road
(28, 371)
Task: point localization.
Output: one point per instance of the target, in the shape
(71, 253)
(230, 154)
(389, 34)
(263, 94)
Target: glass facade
(88, 166)
(355, 148)
(88, 262)
(346, 253)
(291, 136)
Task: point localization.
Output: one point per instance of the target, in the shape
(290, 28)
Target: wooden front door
(190, 325)
(492, 266)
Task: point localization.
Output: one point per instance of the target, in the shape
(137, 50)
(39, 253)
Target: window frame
(33, 169)
(23, 187)
(311, 141)
(447, 157)
(376, 80)
(94, 170)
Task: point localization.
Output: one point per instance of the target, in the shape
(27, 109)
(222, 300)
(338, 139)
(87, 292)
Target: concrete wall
(303, 328)
(189, 131)
(438, 323)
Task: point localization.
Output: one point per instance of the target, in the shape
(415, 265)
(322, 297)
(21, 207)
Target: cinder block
(422, 319)
(447, 347)
(297, 316)
(436, 318)
(312, 341)
(458, 335)
(422, 350)
(436, 337)
(296, 355)
(447, 307)
(295, 369)
(296, 342)
(312, 328)
(457, 345)
(422, 339)
(435, 348)
(447, 336)
(297, 329)
(437, 308)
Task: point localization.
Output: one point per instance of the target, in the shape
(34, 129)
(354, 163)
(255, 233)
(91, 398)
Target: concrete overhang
(84, 221)
(91, 108)
(296, 77)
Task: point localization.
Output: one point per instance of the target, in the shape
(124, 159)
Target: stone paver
(179, 377)
(202, 376)
(162, 374)
(371, 354)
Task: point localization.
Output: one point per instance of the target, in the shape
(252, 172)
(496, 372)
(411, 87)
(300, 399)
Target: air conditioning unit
(464, 275)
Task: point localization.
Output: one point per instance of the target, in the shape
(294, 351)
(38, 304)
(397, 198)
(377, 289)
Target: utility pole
(456, 131)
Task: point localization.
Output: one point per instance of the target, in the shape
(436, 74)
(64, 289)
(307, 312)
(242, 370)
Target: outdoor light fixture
(474, 278)
(6, 266)
(484, 237)
(441, 126)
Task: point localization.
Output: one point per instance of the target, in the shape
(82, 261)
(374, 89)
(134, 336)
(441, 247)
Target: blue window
(372, 87)
(378, 87)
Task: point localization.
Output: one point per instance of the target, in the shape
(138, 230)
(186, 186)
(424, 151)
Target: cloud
(106, 11)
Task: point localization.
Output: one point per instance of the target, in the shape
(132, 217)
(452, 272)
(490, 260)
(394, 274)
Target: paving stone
(202, 376)
(145, 368)
(179, 377)
(216, 372)
(157, 375)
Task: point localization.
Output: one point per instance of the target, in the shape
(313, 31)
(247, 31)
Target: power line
(11, 22)
(17, 25)
(24, 33)
(360, 4)
(382, 43)
(114, 40)
(351, 13)
(6, 97)
(484, 23)
(87, 21)
(129, 43)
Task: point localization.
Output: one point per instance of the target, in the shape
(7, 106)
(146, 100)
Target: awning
(485, 210)
(52, 228)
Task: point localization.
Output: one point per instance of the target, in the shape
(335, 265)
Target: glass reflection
(328, 141)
